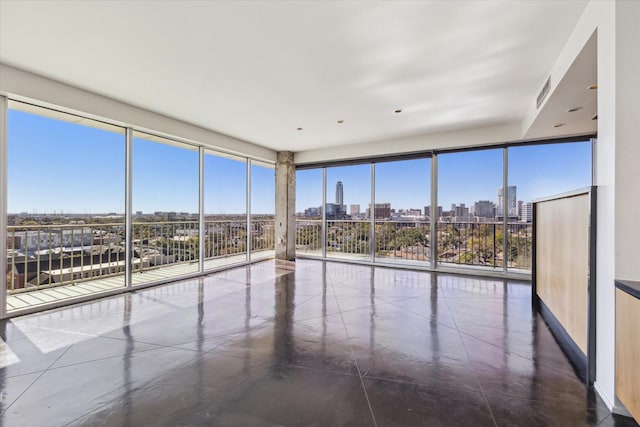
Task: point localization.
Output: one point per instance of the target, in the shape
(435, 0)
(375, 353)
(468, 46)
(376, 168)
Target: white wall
(23, 85)
(627, 125)
(617, 176)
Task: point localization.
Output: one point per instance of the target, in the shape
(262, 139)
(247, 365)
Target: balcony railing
(41, 256)
(348, 237)
(309, 236)
(462, 243)
(404, 240)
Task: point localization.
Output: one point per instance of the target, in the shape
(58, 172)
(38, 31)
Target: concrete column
(285, 206)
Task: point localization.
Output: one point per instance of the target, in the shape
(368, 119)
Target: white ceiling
(259, 70)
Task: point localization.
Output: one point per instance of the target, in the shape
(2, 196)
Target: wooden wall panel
(628, 352)
(562, 262)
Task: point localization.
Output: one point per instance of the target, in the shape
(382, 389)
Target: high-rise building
(484, 209)
(520, 204)
(382, 211)
(512, 207)
(354, 210)
(339, 193)
(460, 212)
(427, 211)
(527, 212)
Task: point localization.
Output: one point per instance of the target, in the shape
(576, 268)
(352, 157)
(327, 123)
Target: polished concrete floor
(304, 343)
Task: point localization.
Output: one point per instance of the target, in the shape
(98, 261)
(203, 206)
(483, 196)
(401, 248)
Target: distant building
(339, 193)
(527, 212)
(460, 212)
(484, 209)
(313, 212)
(427, 211)
(354, 210)
(512, 207)
(520, 202)
(382, 211)
(411, 212)
(52, 238)
(335, 211)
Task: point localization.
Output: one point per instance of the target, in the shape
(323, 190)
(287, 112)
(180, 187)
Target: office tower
(484, 209)
(354, 210)
(512, 208)
(339, 193)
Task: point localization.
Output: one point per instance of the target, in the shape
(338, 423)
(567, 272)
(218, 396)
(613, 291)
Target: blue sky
(57, 166)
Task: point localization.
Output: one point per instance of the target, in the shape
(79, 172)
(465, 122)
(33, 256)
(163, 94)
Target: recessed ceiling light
(340, 121)
(593, 87)
(299, 128)
(574, 109)
(558, 125)
(399, 110)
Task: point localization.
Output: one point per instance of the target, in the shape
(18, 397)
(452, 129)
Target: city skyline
(464, 177)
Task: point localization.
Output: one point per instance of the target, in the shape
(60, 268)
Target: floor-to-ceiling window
(470, 206)
(66, 206)
(538, 171)
(349, 236)
(474, 223)
(69, 180)
(225, 209)
(165, 226)
(402, 211)
(309, 211)
(263, 195)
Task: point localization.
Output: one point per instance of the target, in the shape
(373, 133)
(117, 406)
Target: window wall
(403, 200)
(165, 193)
(309, 201)
(538, 171)
(474, 222)
(348, 236)
(65, 204)
(93, 208)
(225, 209)
(263, 196)
(470, 219)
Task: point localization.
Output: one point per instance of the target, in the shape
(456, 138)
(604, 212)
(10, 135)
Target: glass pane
(402, 233)
(539, 171)
(65, 205)
(165, 209)
(225, 209)
(469, 231)
(309, 212)
(263, 197)
(348, 236)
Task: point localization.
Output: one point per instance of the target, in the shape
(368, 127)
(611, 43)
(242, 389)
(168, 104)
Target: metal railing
(263, 235)
(41, 256)
(405, 240)
(309, 236)
(462, 243)
(482, 244)
(348, 237)
(48, 255)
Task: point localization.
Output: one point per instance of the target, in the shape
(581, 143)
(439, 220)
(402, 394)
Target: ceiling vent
(543, 93)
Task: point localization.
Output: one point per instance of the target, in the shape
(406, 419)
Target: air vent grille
(543, 93)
